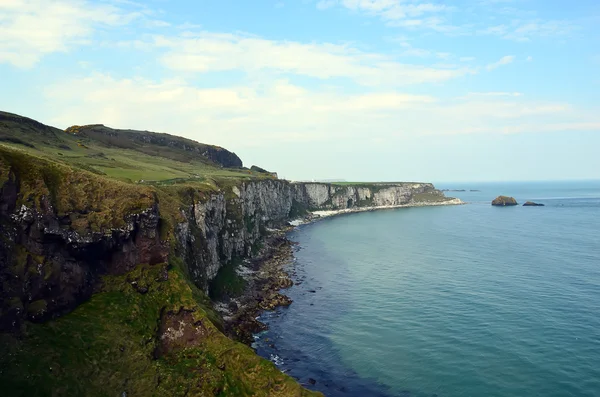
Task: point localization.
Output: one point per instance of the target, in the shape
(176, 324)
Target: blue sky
(428, 90)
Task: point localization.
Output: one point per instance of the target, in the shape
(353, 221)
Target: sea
(451, 301)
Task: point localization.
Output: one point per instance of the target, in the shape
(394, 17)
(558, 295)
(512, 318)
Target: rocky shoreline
(265, 276)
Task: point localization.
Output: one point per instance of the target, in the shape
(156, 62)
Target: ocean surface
(469, 300)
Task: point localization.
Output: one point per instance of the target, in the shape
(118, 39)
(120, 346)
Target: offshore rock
(504, 201)
(532, 204)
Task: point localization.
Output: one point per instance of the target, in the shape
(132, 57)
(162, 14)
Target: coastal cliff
(122, 271)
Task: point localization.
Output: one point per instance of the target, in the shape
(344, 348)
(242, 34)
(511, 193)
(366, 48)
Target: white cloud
(30, 29)
(505, 60)
(282, 112)
(520, 30)
(399, 12)
(393, 9)
(204, 52)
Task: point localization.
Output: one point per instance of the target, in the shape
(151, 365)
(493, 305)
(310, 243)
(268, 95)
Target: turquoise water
(467, 300)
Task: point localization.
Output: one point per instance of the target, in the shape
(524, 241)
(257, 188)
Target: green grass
(118, 157)
(371, 184)
(93, 202)
(430, 197)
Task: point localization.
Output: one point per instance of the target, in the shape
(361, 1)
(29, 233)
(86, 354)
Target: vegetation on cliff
(110, 308)
(143, 334)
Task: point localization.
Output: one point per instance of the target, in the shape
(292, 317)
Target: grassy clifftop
(131, 156)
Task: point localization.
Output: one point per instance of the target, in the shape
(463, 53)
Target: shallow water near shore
(452, 301)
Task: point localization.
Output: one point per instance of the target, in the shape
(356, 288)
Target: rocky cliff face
(47, 267)
(231, 224)
(318, 196)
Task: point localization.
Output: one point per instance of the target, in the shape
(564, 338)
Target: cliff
(104, 283)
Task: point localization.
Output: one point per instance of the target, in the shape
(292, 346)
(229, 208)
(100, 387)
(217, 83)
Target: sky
(360, 90)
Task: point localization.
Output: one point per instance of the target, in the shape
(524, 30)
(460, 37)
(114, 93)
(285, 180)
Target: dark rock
(274, 301)
(532, 204)
(312, 381)
(503, 201)
(63, 267)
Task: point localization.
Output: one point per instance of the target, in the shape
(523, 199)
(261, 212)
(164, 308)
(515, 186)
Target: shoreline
(266, 278)
(316, 215)
(328, 213)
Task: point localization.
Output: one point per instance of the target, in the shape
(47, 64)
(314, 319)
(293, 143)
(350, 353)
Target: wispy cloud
(281, 111)
(415, 14)
(205, 51)
(520, 30)
(394, 9)
(30, 29)
(518, 23)
(505, 60)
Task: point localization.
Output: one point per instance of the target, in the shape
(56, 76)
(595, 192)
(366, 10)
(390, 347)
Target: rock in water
(532, 204)
(503, 201)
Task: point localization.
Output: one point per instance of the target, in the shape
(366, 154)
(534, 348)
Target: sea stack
(503, 201)
(532, 204)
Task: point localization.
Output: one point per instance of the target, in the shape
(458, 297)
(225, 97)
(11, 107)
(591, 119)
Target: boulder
(503, 201)
(532, 204)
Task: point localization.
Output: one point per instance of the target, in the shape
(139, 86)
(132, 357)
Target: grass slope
(123, 157)
(107, 347)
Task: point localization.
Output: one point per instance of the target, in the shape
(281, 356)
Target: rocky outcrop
(532, 204)
(47, 268)
(504, 201)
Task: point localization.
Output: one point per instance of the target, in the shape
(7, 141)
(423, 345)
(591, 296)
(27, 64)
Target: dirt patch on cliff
(178, 331)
